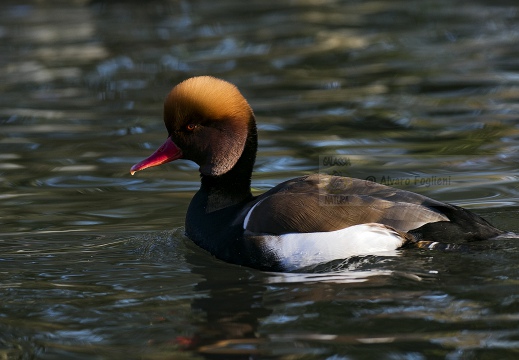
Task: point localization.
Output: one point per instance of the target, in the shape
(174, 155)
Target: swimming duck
(287, 228)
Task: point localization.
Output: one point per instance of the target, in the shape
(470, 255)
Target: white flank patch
(299, 250)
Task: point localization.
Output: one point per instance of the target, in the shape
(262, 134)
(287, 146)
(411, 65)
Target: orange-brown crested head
(208, 119)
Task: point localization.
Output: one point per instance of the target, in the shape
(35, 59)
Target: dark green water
(93, 261)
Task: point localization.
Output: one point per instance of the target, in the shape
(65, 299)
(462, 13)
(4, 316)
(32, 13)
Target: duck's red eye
(190, 127)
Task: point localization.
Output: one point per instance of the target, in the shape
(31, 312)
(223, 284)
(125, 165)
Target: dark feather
(326, 203)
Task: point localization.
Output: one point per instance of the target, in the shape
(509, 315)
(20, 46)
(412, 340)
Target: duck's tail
(441, 246)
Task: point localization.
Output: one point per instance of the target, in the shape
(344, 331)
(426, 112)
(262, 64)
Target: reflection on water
(94, 261)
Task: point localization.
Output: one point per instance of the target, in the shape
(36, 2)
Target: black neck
(233, 187)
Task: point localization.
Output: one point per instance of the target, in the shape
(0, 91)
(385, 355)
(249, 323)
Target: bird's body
(300, 222)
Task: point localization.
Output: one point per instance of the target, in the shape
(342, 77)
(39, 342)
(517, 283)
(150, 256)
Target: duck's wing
(319, 218)
(320, 203)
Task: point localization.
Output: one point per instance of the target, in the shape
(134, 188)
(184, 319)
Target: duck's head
(208, 121)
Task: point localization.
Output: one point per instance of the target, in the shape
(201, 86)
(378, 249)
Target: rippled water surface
(422, 95)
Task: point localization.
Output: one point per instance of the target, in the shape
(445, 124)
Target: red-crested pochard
(287, 228)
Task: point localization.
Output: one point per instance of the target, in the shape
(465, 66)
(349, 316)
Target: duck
(288, 228)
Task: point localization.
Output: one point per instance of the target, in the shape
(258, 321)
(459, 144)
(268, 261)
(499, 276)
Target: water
(94, 264)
